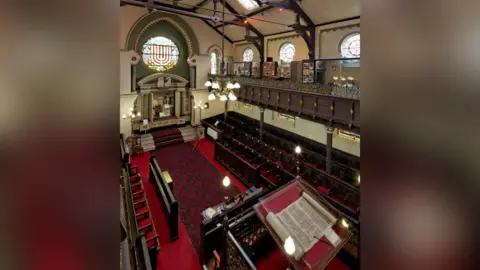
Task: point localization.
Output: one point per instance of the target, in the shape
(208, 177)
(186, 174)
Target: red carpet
(197, 185)
(207, 149)
(179, 254)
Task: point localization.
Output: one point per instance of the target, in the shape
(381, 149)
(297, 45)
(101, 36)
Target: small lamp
(226, 181)
(344, 223)
(208, 84)
(289, 245)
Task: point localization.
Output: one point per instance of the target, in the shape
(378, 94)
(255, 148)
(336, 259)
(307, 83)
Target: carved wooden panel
(265, 97)
(296, 102)
(284, 100)
(309, 105)
(324, 107)
(342, 111)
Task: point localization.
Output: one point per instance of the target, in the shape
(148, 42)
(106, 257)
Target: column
(226, 111)
(262, 119)
(329, 148)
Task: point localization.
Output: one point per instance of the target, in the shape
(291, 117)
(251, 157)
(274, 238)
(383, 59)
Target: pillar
(262, 120)
(226, 111)
(329, 149)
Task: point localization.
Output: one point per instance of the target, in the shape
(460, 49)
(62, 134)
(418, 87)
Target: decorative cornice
(283, 38)
(350, 26)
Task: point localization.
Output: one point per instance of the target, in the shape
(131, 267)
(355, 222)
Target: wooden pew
(141, 257)
(211, 233)
(167, 199)
(124, 156)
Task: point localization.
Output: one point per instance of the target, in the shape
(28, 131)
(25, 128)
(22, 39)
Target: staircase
(148, 143)
(189, 133)
(166, 137)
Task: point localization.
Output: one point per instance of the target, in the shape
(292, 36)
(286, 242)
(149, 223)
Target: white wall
(302, 127)
(205, 35)
(330, 36)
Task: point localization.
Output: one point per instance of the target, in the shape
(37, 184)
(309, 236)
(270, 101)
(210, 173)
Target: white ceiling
(319, 11)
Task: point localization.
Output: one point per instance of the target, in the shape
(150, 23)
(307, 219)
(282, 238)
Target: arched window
(160, 53)
(213, 61)
(287, 53)
(248, 55)
(350, 48)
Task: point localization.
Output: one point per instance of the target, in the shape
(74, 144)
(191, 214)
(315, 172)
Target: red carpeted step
(165, 132)
(167, 138)
(167, 143)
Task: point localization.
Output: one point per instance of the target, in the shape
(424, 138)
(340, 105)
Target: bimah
(297, 211)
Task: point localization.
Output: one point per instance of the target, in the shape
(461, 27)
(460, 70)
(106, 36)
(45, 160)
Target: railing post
(329, 149)
(262, 119)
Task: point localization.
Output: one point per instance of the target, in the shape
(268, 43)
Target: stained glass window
(248, 55)
(160, 53)
(213, 61)
(248, 4)
(350, 48)
(287, 52)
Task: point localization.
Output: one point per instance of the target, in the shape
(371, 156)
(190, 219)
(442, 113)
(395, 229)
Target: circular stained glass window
(287, 52)
(248, 55)
(160, 53)
(350, 47)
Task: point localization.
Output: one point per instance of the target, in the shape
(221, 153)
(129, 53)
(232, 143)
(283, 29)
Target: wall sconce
(131, 115)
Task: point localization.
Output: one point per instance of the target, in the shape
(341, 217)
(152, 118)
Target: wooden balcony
(331, 110)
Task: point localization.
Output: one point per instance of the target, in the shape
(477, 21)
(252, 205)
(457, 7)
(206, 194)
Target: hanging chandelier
(221, 86)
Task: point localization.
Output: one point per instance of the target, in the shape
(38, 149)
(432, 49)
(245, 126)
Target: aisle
(179, 254)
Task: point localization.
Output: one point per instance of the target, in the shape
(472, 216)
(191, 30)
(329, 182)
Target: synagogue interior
(239, 134)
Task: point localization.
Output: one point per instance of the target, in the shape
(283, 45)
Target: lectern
(297, 211)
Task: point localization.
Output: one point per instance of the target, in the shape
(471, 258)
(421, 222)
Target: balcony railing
(331, 89)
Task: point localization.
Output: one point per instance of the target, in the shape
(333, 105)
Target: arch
(147, 20)
(155, 76)
(214, 48)
(339, 48)
(243, 54)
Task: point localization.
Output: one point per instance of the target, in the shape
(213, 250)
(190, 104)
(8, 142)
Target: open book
(306, 221)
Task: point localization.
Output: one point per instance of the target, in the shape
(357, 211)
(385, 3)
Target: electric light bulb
(358, 179)
(215, 85)
(229, 85)
(138, 114)
(208, 83)
(335, 78)
(343, 78)
(124, 116)
(211, 96)
(350, 78)
(131, 109)
(223, 98)
(289, 245)
(236, 85)
(232, 97)
(298, 150)
(345, 224)
(226, 181)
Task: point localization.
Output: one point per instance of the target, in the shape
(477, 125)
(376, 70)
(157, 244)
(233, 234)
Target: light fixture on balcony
(220, 86)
